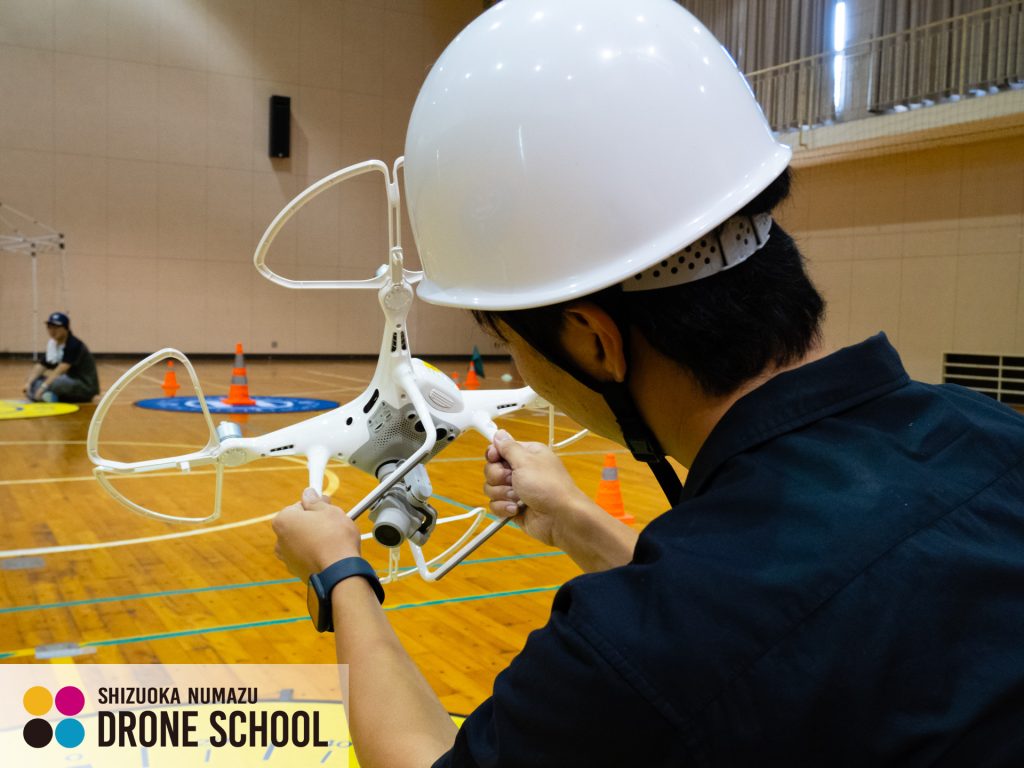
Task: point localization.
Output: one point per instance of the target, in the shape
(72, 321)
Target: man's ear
(593, 341)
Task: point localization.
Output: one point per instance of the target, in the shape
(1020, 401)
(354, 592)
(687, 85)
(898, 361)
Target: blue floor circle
(263, 405)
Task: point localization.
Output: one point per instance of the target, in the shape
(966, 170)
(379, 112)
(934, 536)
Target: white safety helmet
(558, 147)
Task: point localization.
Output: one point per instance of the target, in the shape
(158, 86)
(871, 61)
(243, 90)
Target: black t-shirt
(83, 364)
(842, 584)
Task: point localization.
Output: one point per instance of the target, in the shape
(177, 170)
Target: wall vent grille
(1001, 377)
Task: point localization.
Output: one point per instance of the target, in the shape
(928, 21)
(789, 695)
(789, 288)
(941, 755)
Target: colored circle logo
(37, 733)
(70, 701)
(37, 701)
(69, 732)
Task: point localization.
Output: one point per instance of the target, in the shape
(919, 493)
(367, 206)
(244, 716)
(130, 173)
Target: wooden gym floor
(221, 595)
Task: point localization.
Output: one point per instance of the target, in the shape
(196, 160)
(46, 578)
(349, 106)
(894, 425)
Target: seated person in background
(67, 371)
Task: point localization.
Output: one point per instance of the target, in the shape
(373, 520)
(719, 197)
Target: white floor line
(127, 542)
(332, 485)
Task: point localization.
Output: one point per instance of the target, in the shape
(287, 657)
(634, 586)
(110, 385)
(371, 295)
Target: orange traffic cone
(455, 378)
(238, 394)
(170, 385)
(472, 380)
(609, 492)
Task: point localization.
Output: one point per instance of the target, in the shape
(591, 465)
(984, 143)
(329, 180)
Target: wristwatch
(318, 592)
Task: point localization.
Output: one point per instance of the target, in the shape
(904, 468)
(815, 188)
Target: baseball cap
(58, 318)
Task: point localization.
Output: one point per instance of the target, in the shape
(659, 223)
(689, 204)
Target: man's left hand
(314, 534)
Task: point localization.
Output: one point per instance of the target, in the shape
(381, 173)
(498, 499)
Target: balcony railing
(974, 54)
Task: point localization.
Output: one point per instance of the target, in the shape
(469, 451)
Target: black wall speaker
(280, 126)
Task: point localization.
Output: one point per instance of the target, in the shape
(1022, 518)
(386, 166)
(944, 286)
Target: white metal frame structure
(22, 235)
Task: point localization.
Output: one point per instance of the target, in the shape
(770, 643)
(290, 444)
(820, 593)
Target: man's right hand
(527, 481)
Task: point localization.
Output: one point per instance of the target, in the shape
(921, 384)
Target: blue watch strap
(332, 575)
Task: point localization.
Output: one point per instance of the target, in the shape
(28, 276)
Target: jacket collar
(796, 398)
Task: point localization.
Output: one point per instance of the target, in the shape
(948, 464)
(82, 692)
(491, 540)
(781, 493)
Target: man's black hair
(725, 329)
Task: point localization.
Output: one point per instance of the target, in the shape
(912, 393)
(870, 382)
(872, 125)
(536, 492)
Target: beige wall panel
(879, 191)
(88, 308)
(229, 224)
(27, 179)
(134, 31)
(27, 22)
(180, 308)
(1002, 235)
(831, 197)
(987, 296)
(80, 115)
(320, 29)
(228, 313)
(26, 93)
(132, 195)
(183, 212)
(834, 280)
(1019, 335)
(132, 291)
(184, 111)
(927, 310)
(319, 121)
(938, 238)
(933, 185)
(133, 116)
(875, 299)
(81, 27)
(362, 126)
(81, 201)
(826, 245)
(15, 300)
(362, 47)
(276, 41)
(232, 31)
(992, 191)
(231, 130)
(184, 35)
(878, 242)
(272, 316)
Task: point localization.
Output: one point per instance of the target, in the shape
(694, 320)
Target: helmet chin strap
(639, 438)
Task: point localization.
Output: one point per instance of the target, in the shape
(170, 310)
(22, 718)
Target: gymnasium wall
(926, 245)
(139, 129)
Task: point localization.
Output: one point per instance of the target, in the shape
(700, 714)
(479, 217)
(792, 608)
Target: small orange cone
(455, 378)
(238, 394)
(170, 385)
(472, 380)
(609, 492)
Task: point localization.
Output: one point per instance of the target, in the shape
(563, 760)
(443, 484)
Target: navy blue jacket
(841, 584)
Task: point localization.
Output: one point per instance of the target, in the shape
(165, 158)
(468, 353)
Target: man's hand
(528, 481)
(314, 534)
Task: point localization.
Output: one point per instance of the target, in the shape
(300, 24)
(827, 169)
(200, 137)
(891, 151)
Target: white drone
(409, 412)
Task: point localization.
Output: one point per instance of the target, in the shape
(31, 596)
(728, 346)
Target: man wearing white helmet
(840, 581)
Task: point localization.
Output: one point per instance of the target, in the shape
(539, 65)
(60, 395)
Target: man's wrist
(326, 560)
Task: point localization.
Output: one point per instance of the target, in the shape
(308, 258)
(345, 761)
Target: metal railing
(968, 55)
